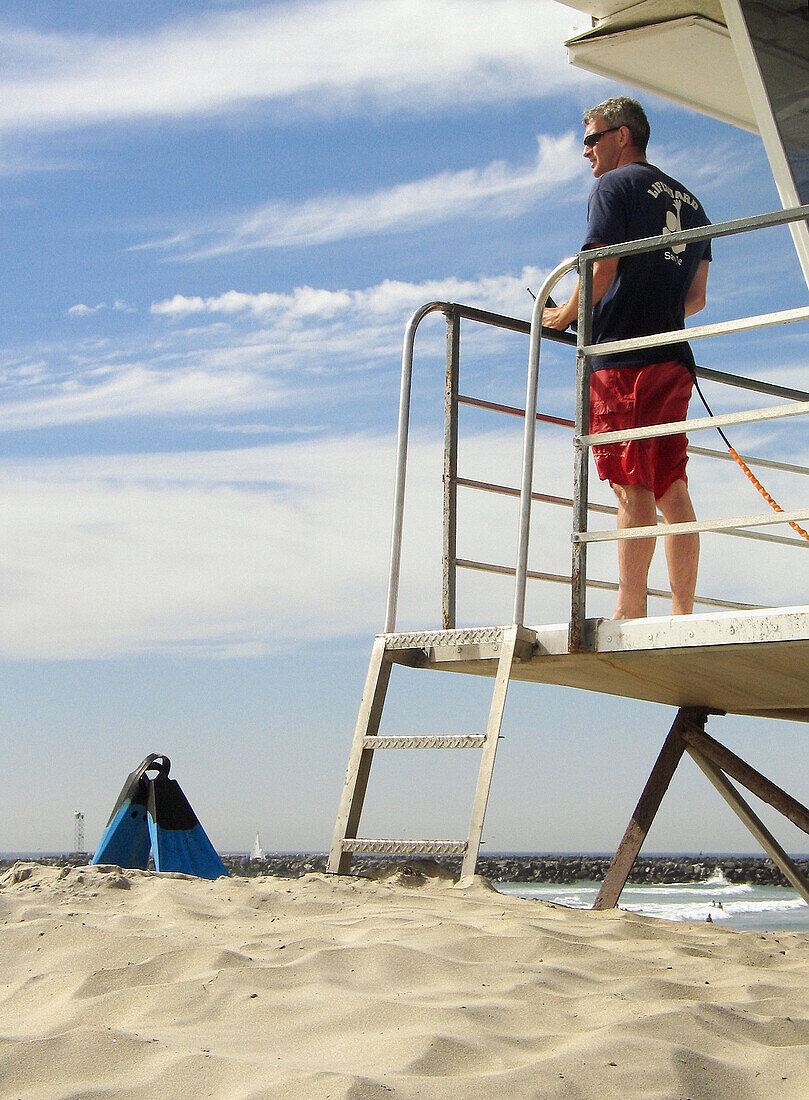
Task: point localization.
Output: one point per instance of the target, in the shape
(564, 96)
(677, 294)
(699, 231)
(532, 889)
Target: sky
(217, 218)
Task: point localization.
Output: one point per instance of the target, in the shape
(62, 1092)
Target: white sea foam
(701, 910)
(716, 889)
(717, 878)
(736, 905)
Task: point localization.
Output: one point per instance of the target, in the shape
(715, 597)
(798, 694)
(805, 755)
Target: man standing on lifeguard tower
(639, 296)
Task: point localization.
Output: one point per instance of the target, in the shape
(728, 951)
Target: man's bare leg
(682, 551)
(636, 508)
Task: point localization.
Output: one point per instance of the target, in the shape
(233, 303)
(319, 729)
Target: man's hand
(557, 317)
(561, 317)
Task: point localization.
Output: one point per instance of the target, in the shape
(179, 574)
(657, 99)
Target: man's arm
(695, 296)
(561, 317)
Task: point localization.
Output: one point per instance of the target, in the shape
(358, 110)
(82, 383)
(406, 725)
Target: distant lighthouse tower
(78, 832)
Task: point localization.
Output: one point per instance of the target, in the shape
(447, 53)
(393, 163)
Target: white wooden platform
(749, 662)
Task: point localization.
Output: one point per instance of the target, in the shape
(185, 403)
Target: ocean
(735, 905)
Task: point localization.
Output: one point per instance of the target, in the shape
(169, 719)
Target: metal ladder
(488, 650)
(500, 646)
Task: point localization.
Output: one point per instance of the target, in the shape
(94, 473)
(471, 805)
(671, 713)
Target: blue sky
(217, 218)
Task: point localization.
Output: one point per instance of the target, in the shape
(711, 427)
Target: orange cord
(773, 504)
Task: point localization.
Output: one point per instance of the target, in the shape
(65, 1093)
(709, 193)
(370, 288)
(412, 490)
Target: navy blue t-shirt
(648, 292)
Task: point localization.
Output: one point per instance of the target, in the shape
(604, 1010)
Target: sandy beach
(132, 984)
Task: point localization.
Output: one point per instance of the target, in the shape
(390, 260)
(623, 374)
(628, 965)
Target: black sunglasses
(592, 139)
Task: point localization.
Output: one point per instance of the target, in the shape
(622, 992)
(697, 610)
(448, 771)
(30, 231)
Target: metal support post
(450, 469)
(511, 637)
(359, 761)
(581, 458)
(656, 786)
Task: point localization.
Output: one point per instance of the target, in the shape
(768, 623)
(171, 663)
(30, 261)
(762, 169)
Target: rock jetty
(756, 870)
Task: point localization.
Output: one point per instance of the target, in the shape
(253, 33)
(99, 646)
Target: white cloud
(244, 551)
(497, 190)
(236, 552)
(135, 391)
(83, 310)
(236, 352)
(388, 299)
(324, 56)
(259, 549)
(329, 343)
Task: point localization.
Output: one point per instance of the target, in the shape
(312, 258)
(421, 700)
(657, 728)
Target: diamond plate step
(436, 647)
(427, 741)
(407, 847)
(424, 639)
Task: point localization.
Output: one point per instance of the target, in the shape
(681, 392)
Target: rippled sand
(131, 984)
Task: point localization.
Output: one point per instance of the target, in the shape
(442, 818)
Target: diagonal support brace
(698, 742)
(757, 827)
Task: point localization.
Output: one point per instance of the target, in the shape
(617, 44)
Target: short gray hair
(620, 110)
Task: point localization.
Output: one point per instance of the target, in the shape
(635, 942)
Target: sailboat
(257, 852)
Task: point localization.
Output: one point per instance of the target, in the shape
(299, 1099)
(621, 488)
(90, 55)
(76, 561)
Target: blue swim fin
(179, 842)
(126, 840)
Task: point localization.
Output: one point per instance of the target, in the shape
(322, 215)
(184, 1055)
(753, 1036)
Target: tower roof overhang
(678, 49)
(745, 62)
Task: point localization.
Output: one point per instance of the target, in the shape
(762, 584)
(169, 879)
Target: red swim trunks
(632, 397)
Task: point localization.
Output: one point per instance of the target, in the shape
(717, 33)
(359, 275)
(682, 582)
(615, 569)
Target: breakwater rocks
(757, 871)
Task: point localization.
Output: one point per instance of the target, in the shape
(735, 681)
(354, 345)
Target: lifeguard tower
(745, 62)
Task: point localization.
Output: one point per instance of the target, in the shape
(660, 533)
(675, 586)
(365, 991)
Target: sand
(132, 984)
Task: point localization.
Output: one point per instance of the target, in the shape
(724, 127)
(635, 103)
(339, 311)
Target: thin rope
(776, 507)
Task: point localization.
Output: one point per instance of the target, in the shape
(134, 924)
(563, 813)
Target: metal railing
(583, 264)
(453, 313)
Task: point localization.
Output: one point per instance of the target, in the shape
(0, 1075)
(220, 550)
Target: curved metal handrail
(532, 386)
(472, 314)
(405, 388)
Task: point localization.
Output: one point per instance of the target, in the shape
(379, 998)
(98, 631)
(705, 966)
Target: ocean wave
(717, 888)
(700, 911)
(739, 904)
